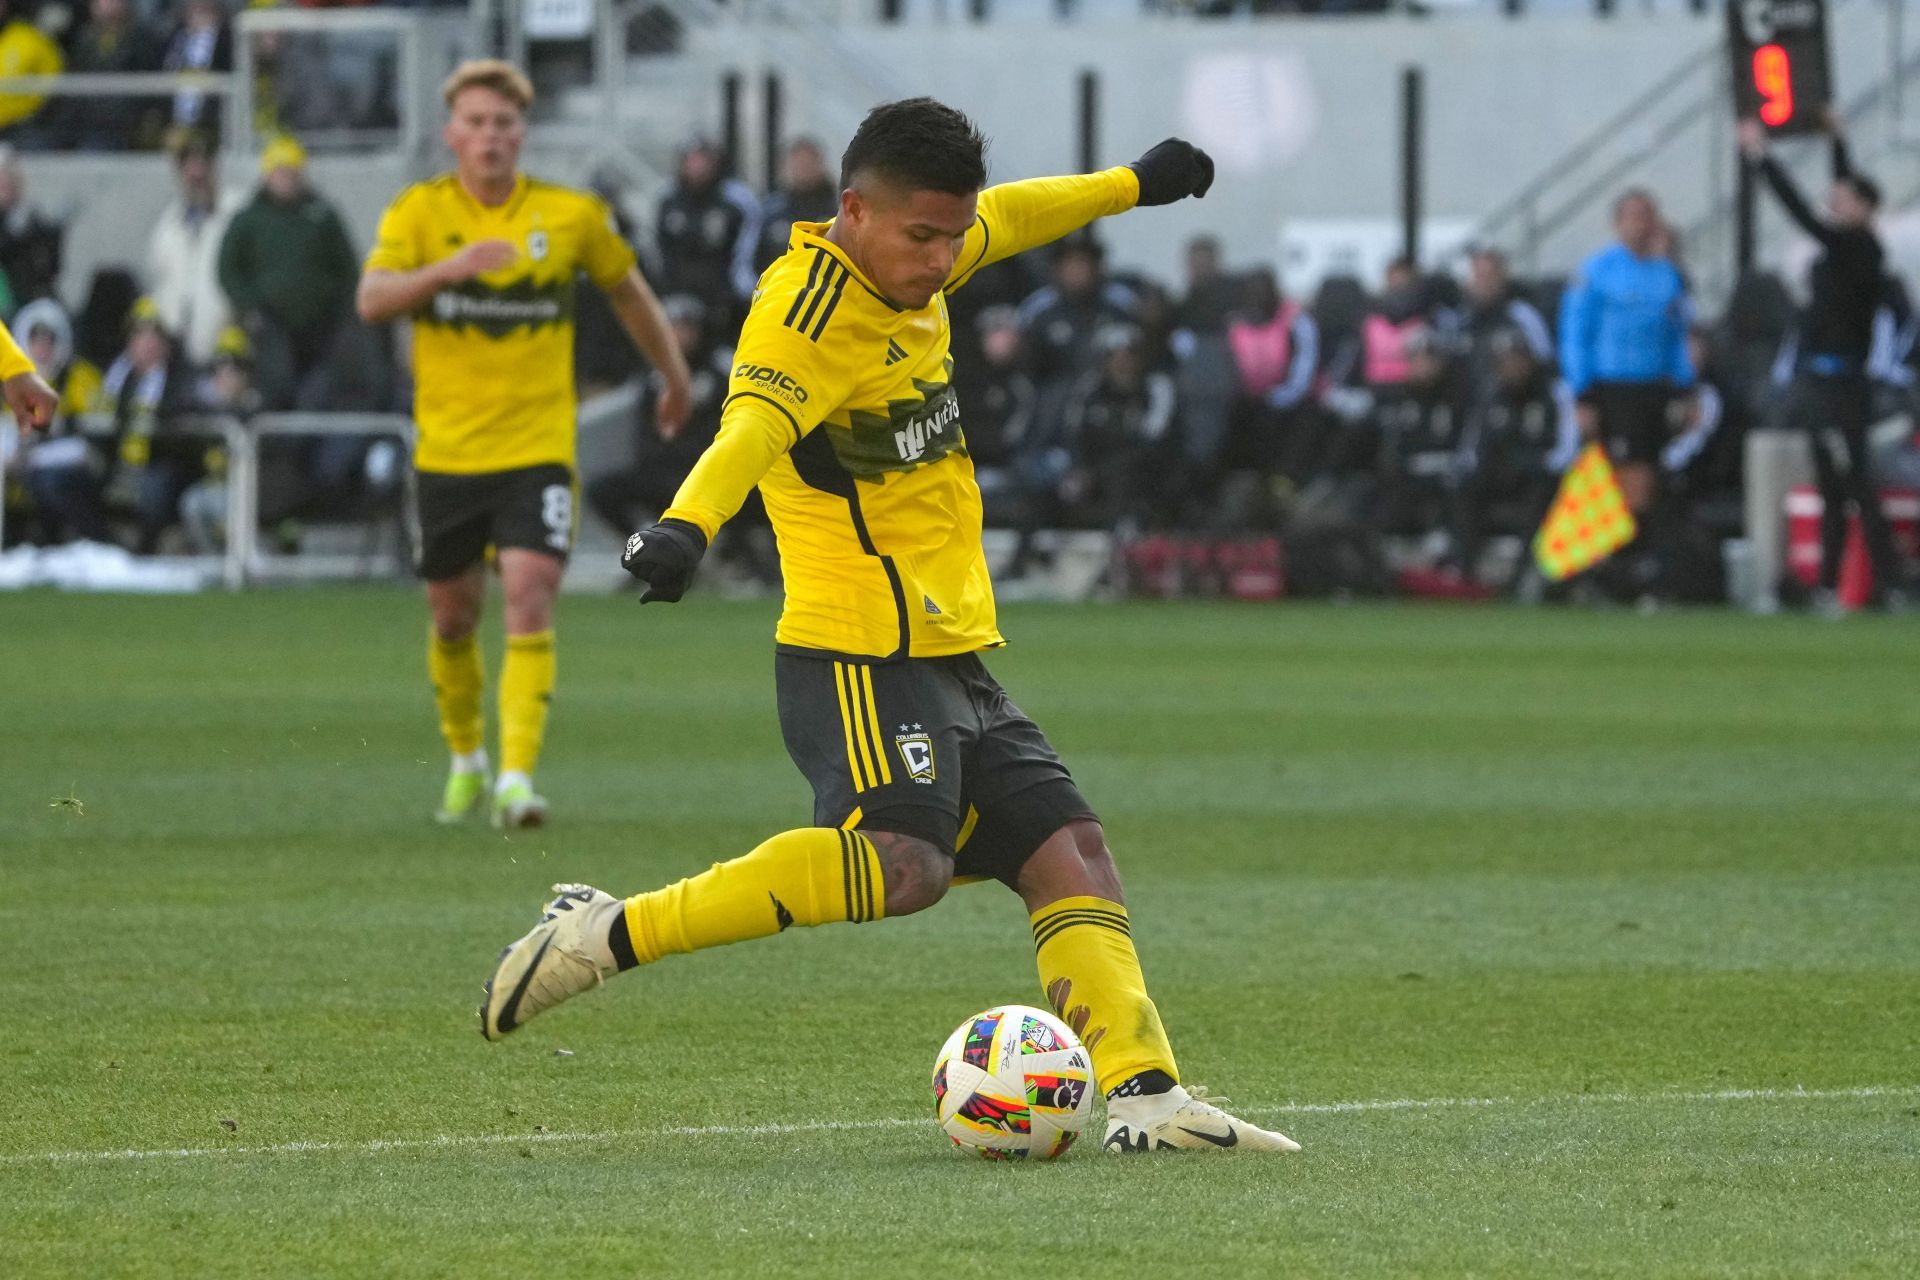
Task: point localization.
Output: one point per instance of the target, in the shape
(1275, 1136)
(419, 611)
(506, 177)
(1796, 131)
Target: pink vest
(1262, 351)
(1385, 344)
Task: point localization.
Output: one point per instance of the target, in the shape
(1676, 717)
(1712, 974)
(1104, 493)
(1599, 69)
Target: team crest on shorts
(916, 749)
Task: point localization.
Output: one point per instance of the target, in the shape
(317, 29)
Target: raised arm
(1753, 145)
(1017, 216)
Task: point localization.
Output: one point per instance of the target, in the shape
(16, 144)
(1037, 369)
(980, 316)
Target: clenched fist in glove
(664, 556)
(1173, 171)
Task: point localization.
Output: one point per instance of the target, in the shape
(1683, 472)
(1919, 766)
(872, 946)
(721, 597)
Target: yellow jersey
(493, 357)
(13, 361)
(841, 408)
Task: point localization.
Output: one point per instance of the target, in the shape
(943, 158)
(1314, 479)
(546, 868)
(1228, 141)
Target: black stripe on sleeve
(839, 287)
(819, 257)
(835, 272)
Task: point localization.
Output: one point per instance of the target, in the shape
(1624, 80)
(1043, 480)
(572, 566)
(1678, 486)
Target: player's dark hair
(918, 144)
(1864, 187)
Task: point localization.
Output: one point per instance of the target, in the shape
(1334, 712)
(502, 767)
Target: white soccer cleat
(563, 955)
(1180, 1121)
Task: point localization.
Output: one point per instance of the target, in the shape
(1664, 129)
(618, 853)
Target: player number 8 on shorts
(556, 512)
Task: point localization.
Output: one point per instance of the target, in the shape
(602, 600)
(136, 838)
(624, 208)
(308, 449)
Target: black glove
(1173, 171)
(664, 556)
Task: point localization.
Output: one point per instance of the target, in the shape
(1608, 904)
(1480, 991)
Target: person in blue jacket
(1623, 348)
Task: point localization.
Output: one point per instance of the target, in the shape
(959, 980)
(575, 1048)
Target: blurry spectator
(183, 253)
(1121, 436)
(1623, 350)
(1833, 390)
(1706, 459)
(77, 482)
(636, 494)
(1400, 313)
(30, 240)
(1058, 322)
(141, 392)
(1493, 307)
(112, 41)
(1206, 378)
(202, 42)
(290, 273)
(1520, 435)
(808, 193)
(999, 402)
(1060, 319)
(1211, 294)
(705, 224)
(25, 50)
(226, 387)
(1276, 352)
(60, 470)
(1420, 424)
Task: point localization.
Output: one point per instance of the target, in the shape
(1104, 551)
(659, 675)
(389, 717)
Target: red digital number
(1773, 77)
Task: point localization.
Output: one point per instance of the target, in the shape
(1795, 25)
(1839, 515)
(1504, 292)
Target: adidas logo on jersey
(895, 352)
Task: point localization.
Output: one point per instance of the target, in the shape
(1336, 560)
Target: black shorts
(1636, 419)
(926, 747)
(460, 516)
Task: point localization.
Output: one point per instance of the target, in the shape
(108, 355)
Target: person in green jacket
(290, 271)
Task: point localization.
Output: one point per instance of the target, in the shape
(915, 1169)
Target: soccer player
(484, 261)
(842, 411)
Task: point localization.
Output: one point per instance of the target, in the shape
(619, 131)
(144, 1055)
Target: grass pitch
(1567, 944)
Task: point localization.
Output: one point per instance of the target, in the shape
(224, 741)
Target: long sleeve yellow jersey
(841, 409)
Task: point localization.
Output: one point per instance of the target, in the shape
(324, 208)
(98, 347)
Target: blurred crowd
(1406, 437)
(242, 302)
(304, 81)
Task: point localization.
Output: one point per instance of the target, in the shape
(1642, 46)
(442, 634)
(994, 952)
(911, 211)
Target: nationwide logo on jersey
(916, 748)
(498, 312)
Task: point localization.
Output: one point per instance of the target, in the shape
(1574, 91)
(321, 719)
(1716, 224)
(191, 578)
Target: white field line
(452, 1141)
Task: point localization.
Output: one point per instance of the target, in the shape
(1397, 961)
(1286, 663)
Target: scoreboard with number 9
(1780, 63)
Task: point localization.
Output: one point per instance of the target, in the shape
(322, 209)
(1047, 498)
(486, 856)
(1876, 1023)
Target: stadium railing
(243, 562)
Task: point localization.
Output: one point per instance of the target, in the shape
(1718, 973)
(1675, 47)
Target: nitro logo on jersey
(763, 375)
(926, 430)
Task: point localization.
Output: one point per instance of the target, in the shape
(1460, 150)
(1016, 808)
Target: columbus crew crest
(916, 750)
(537, 245)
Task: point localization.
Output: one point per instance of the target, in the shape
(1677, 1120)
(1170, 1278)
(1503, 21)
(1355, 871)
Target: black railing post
(771, 123)
(1412, 125)
(1089, 127)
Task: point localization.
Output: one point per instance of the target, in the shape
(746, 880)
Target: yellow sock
(816, 875)
(454, 666)
(526, 689)
(1092, 978)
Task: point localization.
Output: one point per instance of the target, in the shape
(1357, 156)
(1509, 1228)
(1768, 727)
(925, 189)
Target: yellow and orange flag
(1588, 521)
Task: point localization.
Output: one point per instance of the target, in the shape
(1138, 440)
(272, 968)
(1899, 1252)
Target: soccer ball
(1013, 1082)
